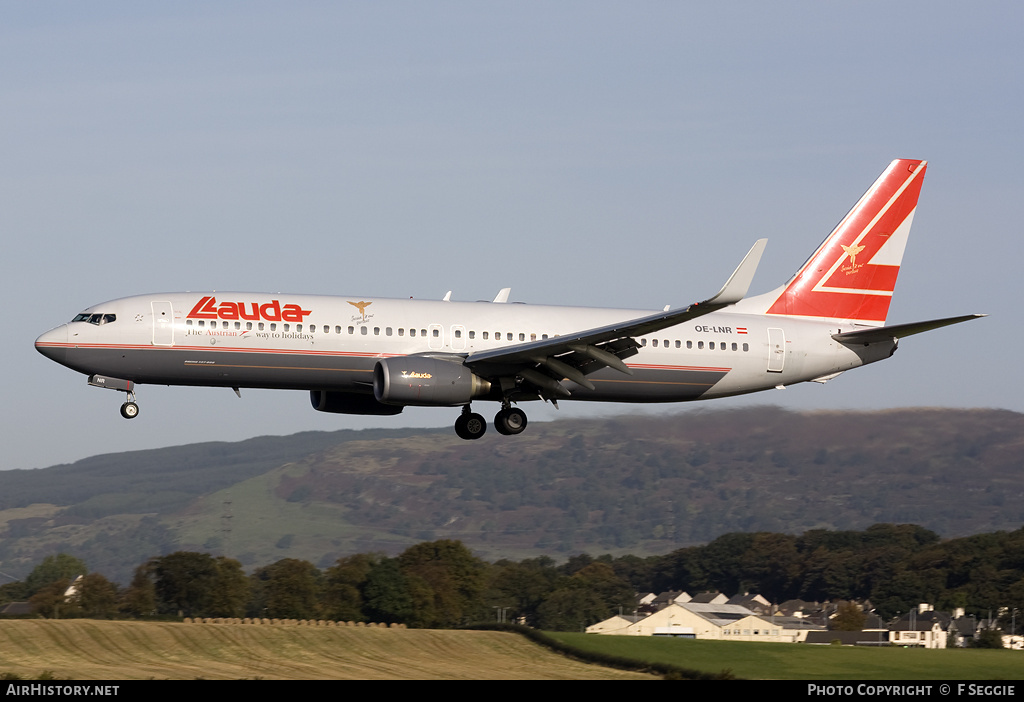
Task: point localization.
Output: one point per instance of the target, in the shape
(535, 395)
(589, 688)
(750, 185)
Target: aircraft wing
(898, 331)
(544, 363)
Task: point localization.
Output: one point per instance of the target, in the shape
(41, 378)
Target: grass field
(100, 650)
(83, 649)
(777, 661)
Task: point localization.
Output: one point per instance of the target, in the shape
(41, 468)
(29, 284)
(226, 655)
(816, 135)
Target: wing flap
(590, 350)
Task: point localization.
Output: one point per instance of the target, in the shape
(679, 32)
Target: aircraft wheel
(510, 421)
(470, 426)
(129, 410)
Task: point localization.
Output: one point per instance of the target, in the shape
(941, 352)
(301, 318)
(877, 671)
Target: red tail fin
(853, 273)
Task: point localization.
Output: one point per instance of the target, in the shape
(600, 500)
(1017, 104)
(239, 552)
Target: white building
(705, 621)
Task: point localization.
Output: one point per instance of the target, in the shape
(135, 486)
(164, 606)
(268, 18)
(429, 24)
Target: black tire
(129, 410)
(510, 421)
(470, 426)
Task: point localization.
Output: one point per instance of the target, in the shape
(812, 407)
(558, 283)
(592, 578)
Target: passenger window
(689, 344)
(734, 346)
(678, 344)
(458, 334)
(260, 326)
(387, 331)
(364, 330)
(472, 335)
(746, 347)
(522, 337)
(509, 335)
(273, 326)
(401, 331)
(643, 342)
(654, 343)
(288, 327)
(351, 330)
(376, 331)
(202, 323)
(700, 344)
(437, 333)
(412, 332)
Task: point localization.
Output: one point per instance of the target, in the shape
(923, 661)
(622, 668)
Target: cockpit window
(96, 319)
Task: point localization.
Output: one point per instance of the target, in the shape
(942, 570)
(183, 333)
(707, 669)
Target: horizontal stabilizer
(898, 331)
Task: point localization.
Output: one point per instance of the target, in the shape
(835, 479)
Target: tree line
(441, 583)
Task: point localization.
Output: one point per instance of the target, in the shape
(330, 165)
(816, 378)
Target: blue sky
(585, 153)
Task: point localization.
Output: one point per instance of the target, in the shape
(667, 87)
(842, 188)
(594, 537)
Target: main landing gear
(508, 421)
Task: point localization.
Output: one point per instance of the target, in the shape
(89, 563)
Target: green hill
(632, 484)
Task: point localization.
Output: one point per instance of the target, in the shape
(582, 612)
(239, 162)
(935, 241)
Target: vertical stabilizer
(853, 273)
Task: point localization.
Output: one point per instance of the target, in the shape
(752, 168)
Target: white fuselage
(331, 343)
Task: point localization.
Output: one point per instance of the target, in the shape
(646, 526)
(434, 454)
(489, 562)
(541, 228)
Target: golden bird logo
(361, 306)
(852, 252)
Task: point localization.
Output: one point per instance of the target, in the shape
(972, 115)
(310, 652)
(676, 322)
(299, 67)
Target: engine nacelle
(349, 403)
(425, 382)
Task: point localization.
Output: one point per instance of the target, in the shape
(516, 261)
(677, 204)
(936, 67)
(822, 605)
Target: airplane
(376, 356)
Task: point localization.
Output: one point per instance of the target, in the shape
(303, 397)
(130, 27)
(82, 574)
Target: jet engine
(426, 382)
(349, 403)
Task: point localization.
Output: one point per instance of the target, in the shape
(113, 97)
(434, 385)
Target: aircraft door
(435, 338)
(163, 324)
(776, 350)
(458, 337)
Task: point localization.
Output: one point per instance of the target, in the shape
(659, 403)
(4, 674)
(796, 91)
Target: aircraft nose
(53, 344)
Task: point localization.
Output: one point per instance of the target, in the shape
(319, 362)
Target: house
(918, 634)
(16, 609)
(698, 620)
(710, 598)
(755, 603)
(615, 625)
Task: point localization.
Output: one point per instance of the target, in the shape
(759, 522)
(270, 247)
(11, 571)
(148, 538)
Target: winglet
(735, 289)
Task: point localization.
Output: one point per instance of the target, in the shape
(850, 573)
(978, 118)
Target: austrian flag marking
(272, 311)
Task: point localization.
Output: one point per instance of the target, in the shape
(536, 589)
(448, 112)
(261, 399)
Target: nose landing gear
(130, 410)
